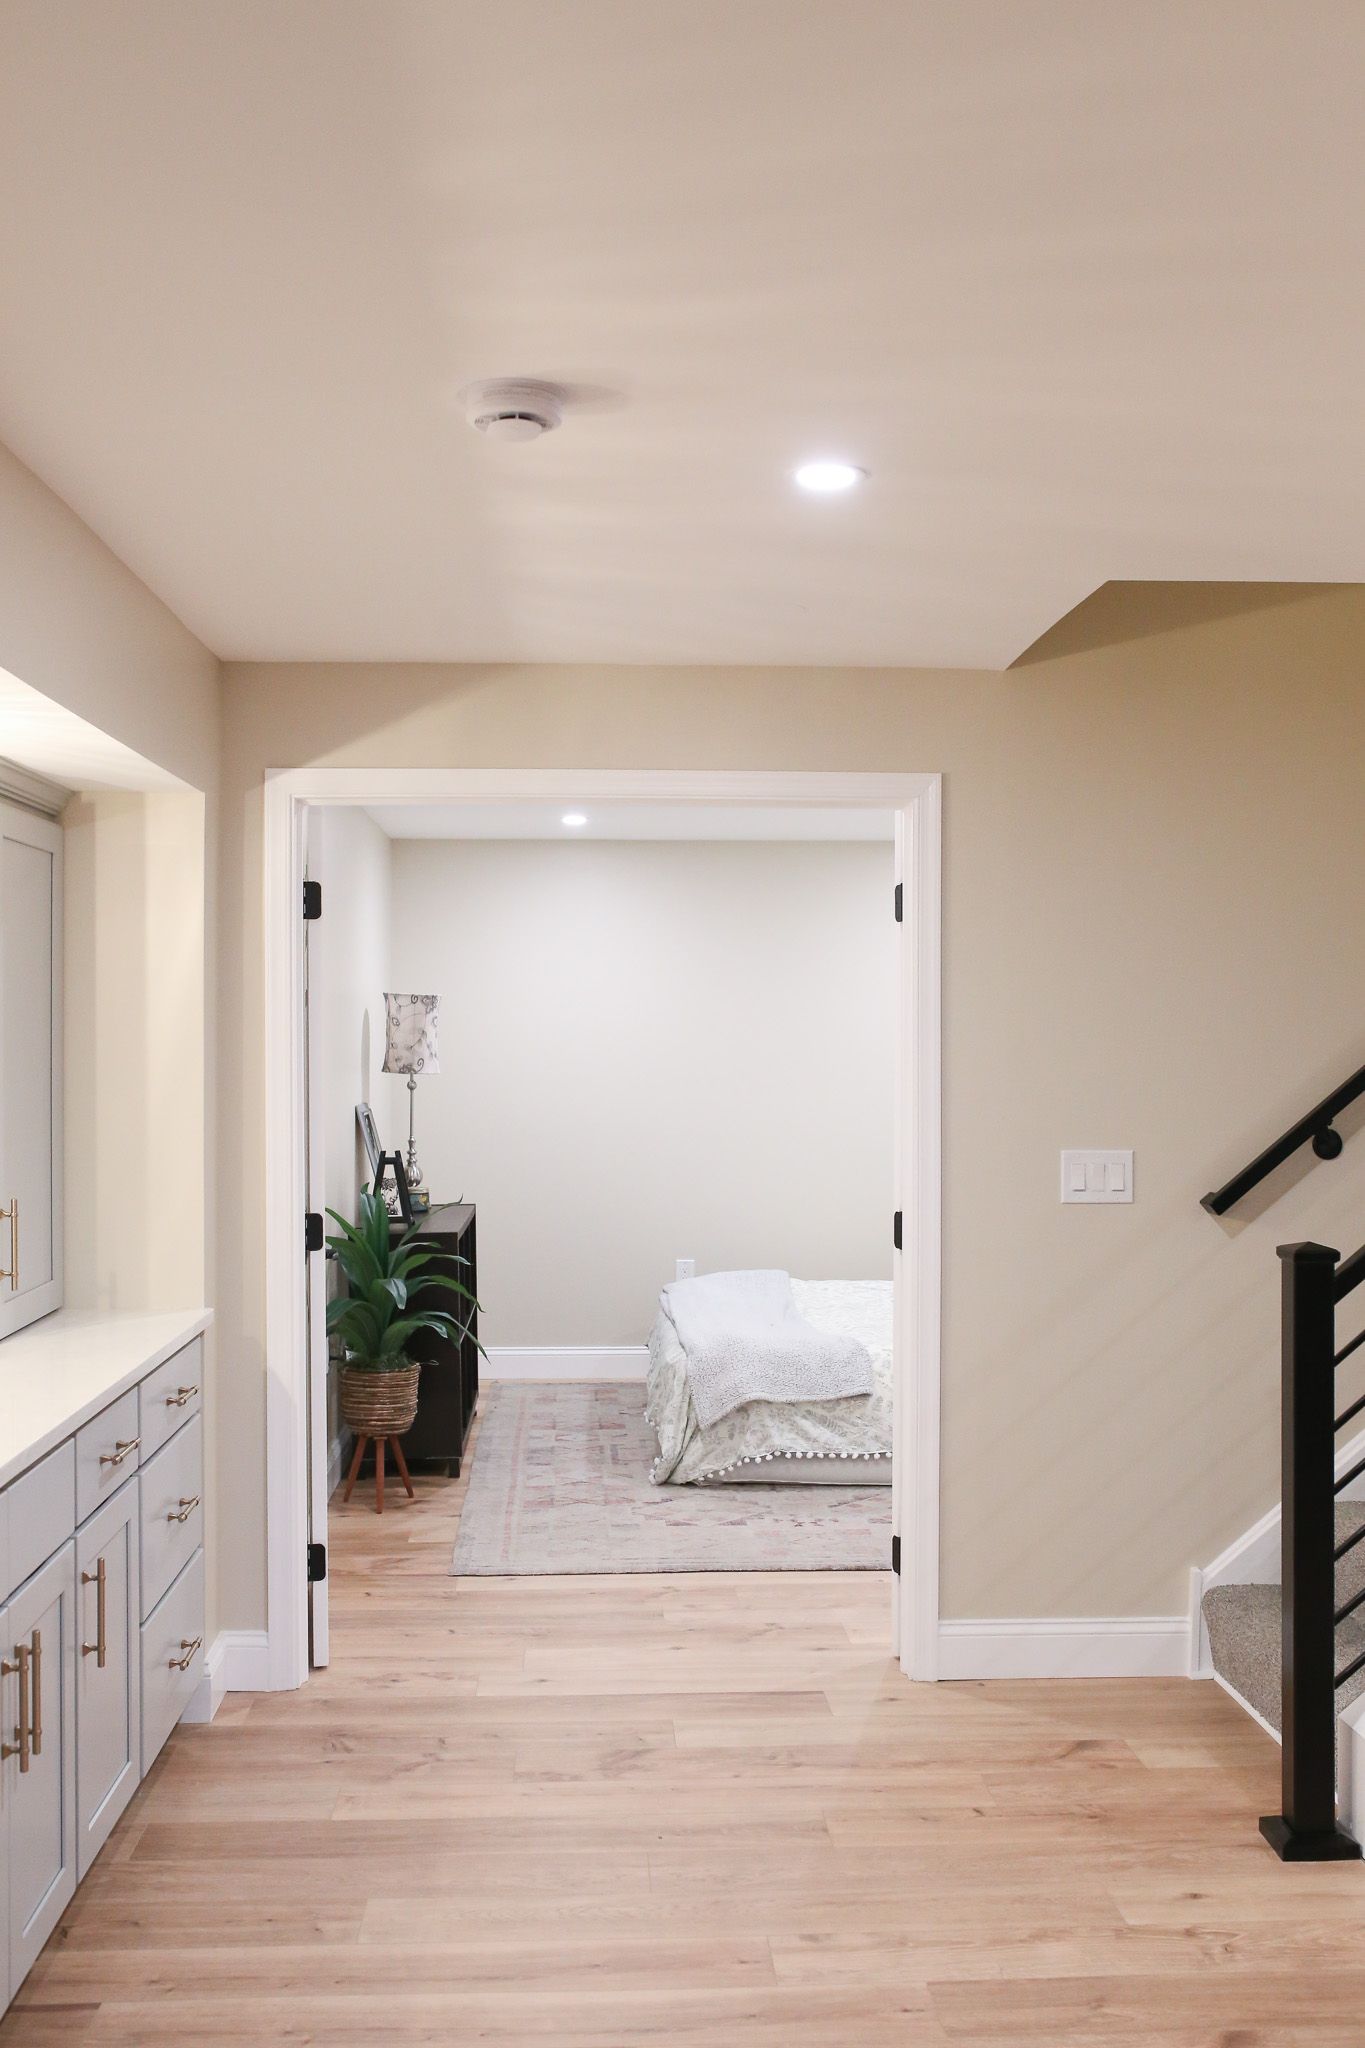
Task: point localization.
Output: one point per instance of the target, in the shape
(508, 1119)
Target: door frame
(917, 802)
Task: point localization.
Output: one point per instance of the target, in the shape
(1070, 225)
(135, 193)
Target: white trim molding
(237, 1660)
(916, 801)
(1115, 1646)
(565, 1362)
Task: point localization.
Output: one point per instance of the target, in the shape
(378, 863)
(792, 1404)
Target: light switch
(1097, 1176)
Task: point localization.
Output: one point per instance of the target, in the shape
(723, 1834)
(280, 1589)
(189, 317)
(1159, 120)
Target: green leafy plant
(373, 1319)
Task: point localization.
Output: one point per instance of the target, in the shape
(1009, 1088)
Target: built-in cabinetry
(102, 1634)
(30, 1067)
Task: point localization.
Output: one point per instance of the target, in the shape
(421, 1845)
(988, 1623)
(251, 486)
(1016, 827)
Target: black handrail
(1312, 1282)
(1315, 1128)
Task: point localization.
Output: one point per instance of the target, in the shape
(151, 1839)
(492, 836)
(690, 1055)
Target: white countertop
(59, 1372)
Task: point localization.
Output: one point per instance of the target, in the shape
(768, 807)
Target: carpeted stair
(1244, 1628)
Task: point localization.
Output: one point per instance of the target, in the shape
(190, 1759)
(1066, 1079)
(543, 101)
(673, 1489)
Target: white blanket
(746, 1340)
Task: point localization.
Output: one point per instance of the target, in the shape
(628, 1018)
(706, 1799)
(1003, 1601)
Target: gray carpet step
(1244, 1628)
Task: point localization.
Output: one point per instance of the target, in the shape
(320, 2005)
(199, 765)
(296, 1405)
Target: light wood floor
(702, 1811)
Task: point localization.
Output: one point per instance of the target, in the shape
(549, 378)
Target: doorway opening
(651, 842)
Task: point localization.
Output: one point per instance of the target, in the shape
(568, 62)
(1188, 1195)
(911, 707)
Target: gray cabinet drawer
(42, 1513)
(170, 1396)
(172, 1510)
(106, 1453)
(172, 1658)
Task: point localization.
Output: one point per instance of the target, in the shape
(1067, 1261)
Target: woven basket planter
(379, 1403)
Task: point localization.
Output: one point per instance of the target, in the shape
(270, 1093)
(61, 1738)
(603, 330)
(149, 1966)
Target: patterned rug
(559, 1482)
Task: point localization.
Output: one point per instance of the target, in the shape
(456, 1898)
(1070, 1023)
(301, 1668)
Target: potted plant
(373, 1320)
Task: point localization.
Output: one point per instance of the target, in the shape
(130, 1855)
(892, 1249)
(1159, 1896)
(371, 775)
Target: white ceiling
(632, 821)
(1080, 283)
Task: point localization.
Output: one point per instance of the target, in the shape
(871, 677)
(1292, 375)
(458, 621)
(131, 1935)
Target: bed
(843, 1442)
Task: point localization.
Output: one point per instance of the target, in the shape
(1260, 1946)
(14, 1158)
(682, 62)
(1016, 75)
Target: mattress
(831, 1443)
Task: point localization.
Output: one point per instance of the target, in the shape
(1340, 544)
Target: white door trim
(917, 801)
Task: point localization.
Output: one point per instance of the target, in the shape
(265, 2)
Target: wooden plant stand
(379, 1443)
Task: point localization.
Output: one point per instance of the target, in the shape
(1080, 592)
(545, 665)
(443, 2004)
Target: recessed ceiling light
(826, 476)
(574, 820)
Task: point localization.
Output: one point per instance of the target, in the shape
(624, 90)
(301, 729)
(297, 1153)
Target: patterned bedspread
(858, 1426)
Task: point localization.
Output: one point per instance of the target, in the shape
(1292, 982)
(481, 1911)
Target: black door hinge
(317, 1562)
(896, 1230)
(900, 903)
(312, 1232)
(896, 1554)
(312, 900)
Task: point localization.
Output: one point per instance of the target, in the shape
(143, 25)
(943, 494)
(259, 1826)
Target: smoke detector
(514, 408)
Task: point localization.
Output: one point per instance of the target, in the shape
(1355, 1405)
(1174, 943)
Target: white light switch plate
(1097, 1176)
(686, 1269)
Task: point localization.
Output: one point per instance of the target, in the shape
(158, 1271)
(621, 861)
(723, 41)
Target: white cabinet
(172, 1658)
(38, 1776)
(172, 1511)
(101, 1637)
(30, 1067)
(108, 1671)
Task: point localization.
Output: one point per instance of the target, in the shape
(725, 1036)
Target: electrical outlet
(687, 1269)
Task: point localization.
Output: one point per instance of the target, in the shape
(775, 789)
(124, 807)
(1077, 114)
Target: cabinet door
(30, 1068)
(39, 1706)
(108, 1671)
(7, 1733)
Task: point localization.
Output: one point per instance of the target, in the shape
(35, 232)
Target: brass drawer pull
(187, 1508)
(181, 1396)
(99, 1649)
(22, 1746)
(13, 1274)
(36, 1681)
(183, 1663)
(123, 1448)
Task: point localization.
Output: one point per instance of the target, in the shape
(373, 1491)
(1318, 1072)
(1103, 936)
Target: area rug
(560, 1483)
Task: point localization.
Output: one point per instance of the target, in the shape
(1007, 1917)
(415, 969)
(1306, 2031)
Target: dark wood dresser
(449, 1383)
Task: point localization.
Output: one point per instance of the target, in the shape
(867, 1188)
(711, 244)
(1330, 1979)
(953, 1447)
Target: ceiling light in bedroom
(575, 820)
(827, 476)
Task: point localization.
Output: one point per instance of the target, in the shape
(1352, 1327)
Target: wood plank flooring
(701, 1811)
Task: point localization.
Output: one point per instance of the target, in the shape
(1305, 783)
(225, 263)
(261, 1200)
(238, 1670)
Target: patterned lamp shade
(410, 1035)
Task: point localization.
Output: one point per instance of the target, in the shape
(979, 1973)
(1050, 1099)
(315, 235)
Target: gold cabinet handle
(123, 1448)
(36, 1682)
(13, 1273)
(183, 1663)
(99, 1649)
(22, 1746)
(181, 1396)
(187, 1508)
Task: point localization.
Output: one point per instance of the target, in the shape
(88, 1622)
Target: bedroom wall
(647, 1051)
(349, 950)
(1154, 866)
(350, 953)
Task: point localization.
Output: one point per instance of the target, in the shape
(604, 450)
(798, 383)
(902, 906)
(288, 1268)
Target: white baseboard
(1119, 1646)
(237, 1660)
(565, 1362)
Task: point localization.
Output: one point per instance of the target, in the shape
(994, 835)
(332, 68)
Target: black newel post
(1306, 1831)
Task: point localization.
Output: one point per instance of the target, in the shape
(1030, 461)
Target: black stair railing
(1315, 1129)
(1312, 1282)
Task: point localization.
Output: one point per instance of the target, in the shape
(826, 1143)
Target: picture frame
(369, 1132)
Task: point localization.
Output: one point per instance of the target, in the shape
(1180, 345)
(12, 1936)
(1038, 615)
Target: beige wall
(652, 1050)
(135, 1144)
(78, 626)
(1154, 868)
